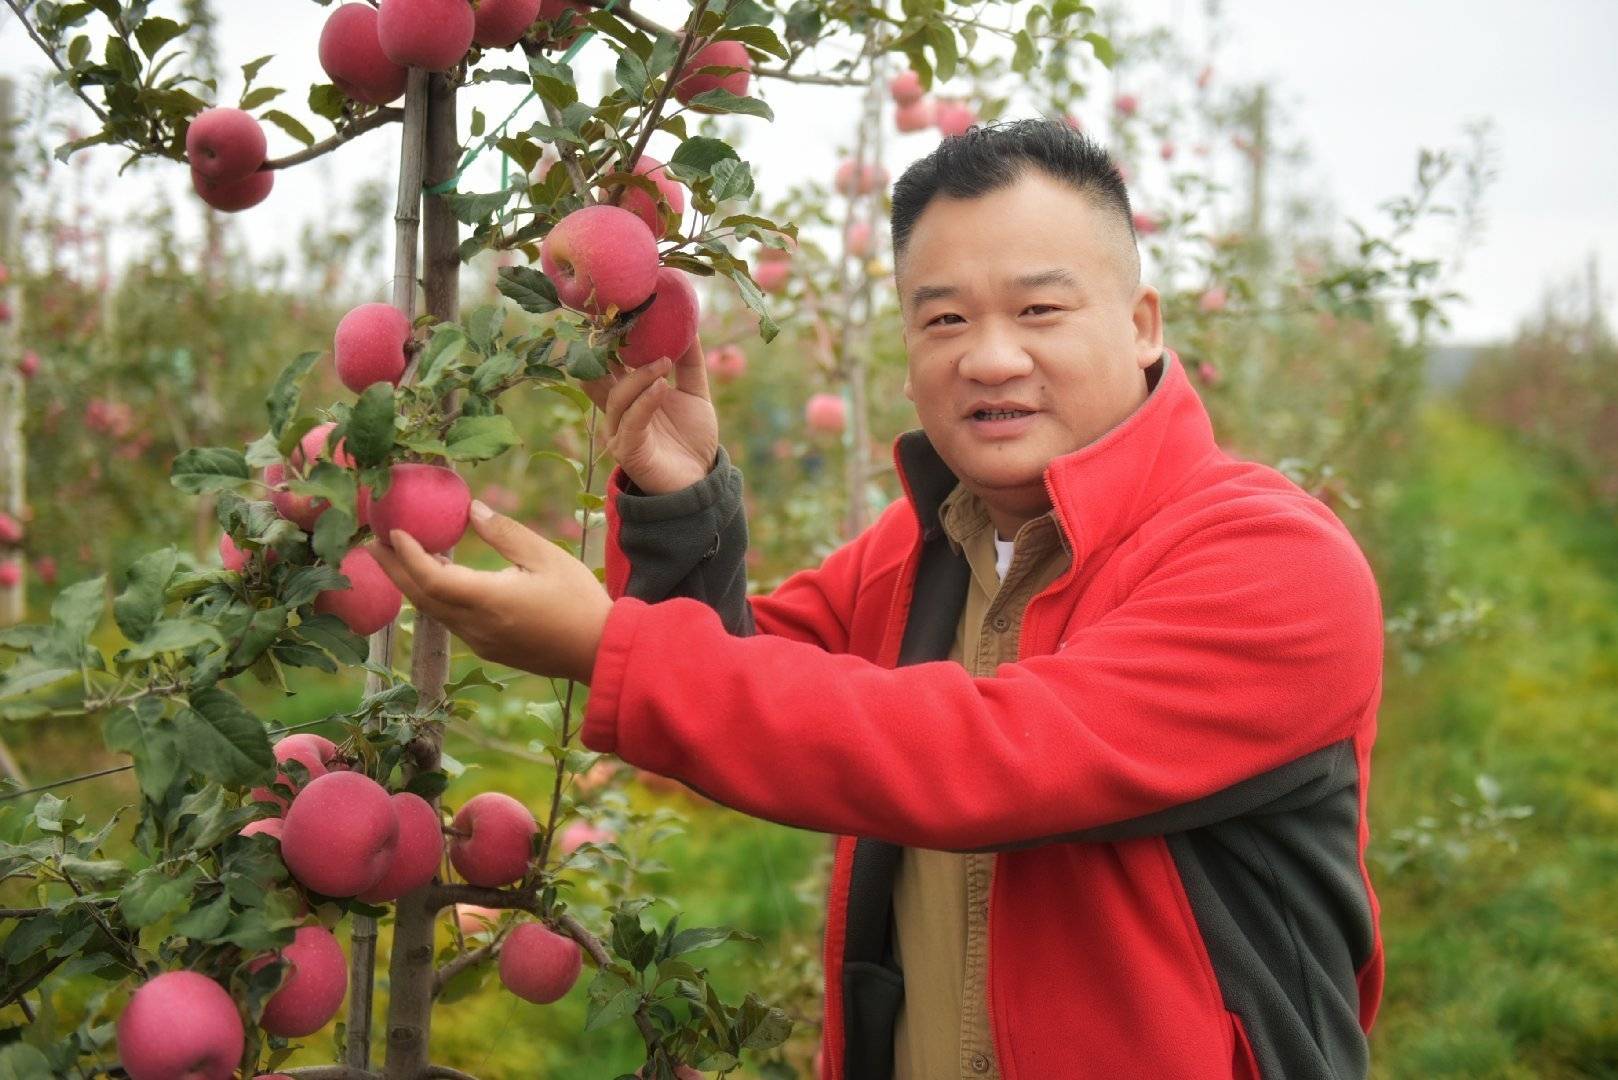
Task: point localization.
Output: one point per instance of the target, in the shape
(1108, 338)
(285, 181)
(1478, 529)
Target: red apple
(916, 116)
(855, 178)
(45, 567)
(498, 841)
(906, 87)
(1166, 151)
(312, 994)
(180, 1026)
(825, 412)
(339, 834)
(224, 145)
(351, 54)
(717, 54)
(668, 326)
(772, 276)
(416, 854)
(430, 502)
(500, 24)
(1145, 224)
(309, 750)
(727, 363)
(538, 965)
(10, 573)
(644, 205)
(305, 510)
(231, 196)
(29, 364)
(369, 346)
(582, 832)
(233, 557)
(602, 259)
(476, 919)
(10, 529)
(1126, 104)
(369, 602)
(431, 34)
(857, 239)
(1213, 300)
(954, 117)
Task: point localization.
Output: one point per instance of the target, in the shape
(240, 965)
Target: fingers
(691, 371)
(631, 387)
(518, 543)
(438, 588)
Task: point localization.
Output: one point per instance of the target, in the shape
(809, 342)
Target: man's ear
(1148, 319)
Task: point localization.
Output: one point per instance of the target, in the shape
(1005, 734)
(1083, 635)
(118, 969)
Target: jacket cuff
(600, 731)
(637, 507)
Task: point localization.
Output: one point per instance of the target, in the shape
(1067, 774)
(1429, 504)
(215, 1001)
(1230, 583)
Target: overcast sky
(1365, 86)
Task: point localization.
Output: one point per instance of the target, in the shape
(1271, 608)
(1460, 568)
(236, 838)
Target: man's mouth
(1001, 414)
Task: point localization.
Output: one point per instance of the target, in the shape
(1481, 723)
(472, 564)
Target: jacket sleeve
(1251, 647)
(692, 544)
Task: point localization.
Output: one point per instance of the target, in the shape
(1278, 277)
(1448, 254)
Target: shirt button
(1000, 623)
(980, 1064)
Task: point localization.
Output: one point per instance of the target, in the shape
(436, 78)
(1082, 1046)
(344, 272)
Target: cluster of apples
(917, 112)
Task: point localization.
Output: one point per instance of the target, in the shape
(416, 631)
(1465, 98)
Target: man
(1091, 708)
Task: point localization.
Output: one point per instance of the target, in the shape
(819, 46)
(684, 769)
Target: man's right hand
(663, 435)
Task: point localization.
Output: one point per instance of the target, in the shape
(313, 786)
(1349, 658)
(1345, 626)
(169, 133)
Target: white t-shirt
(1002, 555)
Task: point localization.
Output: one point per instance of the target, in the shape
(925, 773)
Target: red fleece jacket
(1173, 772)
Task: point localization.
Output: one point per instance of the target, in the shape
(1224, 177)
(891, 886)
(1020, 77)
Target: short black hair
(990, 157)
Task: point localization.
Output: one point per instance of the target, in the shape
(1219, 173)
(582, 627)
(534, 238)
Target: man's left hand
(545, 613)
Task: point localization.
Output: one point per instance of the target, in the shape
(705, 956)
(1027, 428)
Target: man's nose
(994, 356)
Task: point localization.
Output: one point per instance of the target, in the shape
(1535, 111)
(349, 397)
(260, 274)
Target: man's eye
(938, 320)
(1040, 309)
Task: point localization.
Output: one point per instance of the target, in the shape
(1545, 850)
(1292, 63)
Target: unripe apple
(539, 965)
(825, 412)
(307, 749)
(339, 834)
(10, 529)
(601, 259)
(29, 364)
(416, 853)
(500, 24)
(231, 196)
(497, 840)
(916, 116)
(857, 239)
(906, 87)
(1213, 300)
(180, 1026)
(668, 326)
(225, 144)
(10, 573)
(727, 363)
(1126, 104)
(645, 206)
(313, 993)
(954, 117)
(351, 54)
(716, 54)
(269, 826)
(430, 502)
(371, 600)
(476, 919)
(431, 34)
(772, 276)
(369, 346)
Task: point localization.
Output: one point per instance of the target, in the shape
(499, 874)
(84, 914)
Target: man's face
(1023, 302)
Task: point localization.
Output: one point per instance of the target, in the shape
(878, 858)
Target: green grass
(1502, 959)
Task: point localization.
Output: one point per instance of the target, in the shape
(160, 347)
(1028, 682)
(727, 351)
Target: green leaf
(152, 894)
(369, 436)
(747, 13)
(326, 101)
(261, 95)
(632, 75)
(532, 290)
(584, 362)
(98, 872)
(19, 1061)
(753, 297)
(472, 208)
(283, 400)
(261, 631)
(224, 741)
(122, 59)
(1025, 55)
(329, 632)
(290, 125)
(442, 350)
(1103, 49)
(478, 438)
(155, 32)
(78, 607)
(141, 603)
(172, 635)
(307, 582)
(704, 937)
(697, 156)
(731, 180)
(804, 20)
(495, 370)
(760, 36)
(723, 101)
(945, 50)
(208, 468)
(251, 69)
(601, 1013)
(429, 785)
(482, 325)
(206, 922)
(141, 731)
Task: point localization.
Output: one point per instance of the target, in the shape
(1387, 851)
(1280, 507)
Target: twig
(465, 960)
(29, 912)
(50, 52)
(331, 1072)
(812, 80)
(598, 952)
(633, 18)
(369, 122)
(16, 993)
(444, 1072)
(570, 160)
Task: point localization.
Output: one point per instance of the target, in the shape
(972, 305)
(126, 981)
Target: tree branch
(331, 1072)
(811, 80)
(633, 18)
(50, 52)
(444, 974)
(439, 897)
(368, 122)
(444, 1072)
(598, 952)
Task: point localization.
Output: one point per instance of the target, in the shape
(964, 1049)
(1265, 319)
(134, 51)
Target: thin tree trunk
(855, 339)
(410, 967)
(13, 388)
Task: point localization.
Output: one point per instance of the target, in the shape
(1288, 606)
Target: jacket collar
(1103, 491)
